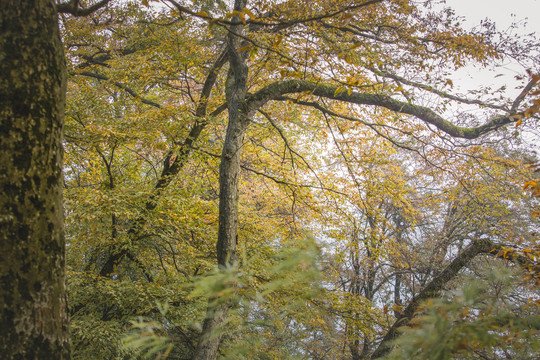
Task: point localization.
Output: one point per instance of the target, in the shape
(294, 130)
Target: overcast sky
(503, 12)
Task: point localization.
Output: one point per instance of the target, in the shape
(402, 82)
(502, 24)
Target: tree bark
(33, 304)
(229, 175)
(431, 290)
(427, 115)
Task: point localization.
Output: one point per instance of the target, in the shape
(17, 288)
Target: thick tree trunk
(229, 175)
(33, 306)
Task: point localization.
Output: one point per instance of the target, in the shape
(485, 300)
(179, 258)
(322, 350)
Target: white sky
(503, 12)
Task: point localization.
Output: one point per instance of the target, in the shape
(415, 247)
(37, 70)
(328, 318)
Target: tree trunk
(229, 175)
(431, 290)
(33, 315)
(172, 164)
(229, 172)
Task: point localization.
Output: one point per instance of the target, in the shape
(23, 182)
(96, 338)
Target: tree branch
(275, 179)
(174, 161)
(523, 93)
(72, 7)
(120, 86)
(277, 89)
(279, 24)
(431, 290)
(435, 286)
(436, 91)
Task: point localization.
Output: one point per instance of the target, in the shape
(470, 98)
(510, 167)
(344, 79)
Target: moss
(33, 315)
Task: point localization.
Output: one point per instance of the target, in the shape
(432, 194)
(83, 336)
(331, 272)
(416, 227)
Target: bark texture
(33, 306)
(432, 289)
(229, 175)
(427, 115)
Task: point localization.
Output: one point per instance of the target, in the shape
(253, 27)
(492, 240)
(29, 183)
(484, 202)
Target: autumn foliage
(297, 179)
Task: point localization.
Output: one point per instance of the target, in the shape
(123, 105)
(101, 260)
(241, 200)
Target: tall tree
(33, 304)
(32, 97)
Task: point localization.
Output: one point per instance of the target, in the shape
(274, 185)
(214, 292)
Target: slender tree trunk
(229, 175)
(172, 165)
(216, 317)
(432, 289)
(33, 306)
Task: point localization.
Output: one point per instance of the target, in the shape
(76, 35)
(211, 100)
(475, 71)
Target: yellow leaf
(339, 90)
(247, 11)
(202, 14)
(531, 111)
(529, 184)
(277, 41)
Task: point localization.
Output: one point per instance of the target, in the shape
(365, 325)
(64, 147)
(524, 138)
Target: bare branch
(275, 179)
(120, 86)
(279, 24)
(523, 94)
(373, 126)
(435, 91)
(72, 7)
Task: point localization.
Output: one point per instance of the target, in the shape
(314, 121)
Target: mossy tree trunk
(229, 176)
(33, 314)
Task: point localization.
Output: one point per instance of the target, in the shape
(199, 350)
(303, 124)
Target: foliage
(344, 148)
(478, 321)
(144, 342)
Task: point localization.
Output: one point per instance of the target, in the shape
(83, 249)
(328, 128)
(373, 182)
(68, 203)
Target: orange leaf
(531, 111)
(529, 184)
(243, 48)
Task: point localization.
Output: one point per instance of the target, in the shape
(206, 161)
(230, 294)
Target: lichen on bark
(32, 95)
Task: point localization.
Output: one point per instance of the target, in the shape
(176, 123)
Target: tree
(32, 96)
(32, 100)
